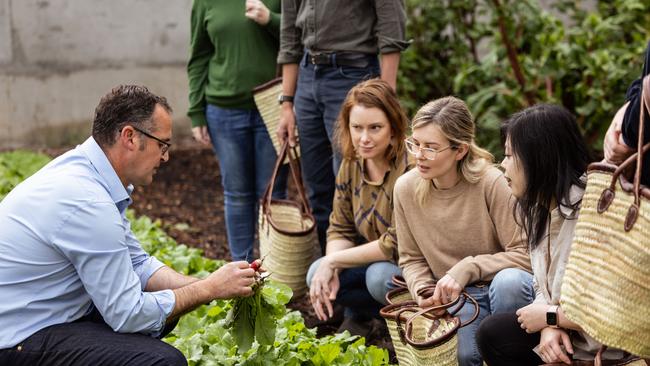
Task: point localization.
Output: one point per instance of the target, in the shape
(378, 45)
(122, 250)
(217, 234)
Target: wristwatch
(551, 317)
(285, 98)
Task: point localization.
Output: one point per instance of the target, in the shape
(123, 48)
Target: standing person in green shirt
(234, 45)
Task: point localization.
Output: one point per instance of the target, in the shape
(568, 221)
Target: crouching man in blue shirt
(76, 288)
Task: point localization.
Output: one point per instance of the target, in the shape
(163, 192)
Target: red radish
(256, 264)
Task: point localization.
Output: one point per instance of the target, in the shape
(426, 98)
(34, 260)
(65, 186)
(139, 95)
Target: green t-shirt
(229, 55)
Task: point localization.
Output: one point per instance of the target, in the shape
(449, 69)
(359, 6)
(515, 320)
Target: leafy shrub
(17, 166)
(501, 56)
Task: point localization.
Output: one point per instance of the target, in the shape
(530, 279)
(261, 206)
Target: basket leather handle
(608, 194)
(414, 308)
(296, 173)
(294, 168)
(433, 342)
(460, 300)
(399, 281)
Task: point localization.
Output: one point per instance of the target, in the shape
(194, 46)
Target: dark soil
(187, 190)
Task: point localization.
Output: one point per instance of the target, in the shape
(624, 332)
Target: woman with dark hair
(545, 161)
(361, 244)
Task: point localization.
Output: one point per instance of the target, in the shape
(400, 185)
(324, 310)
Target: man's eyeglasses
(427, 152)
(163, 145)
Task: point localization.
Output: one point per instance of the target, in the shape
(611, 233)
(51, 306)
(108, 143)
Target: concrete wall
(58, 57)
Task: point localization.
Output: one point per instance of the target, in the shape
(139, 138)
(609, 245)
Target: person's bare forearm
(289, 79)
(190, 297)
(166, 278)
(230, 280)
(389, 63)
(357, 256)
(337, 245)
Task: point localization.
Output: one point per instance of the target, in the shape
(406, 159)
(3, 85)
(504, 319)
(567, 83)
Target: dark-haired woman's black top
(630, 127)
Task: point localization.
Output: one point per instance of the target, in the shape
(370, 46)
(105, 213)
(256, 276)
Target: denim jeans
(90, 341)
(319, 95)
(362, 289)
(246, 161)
(510, 290)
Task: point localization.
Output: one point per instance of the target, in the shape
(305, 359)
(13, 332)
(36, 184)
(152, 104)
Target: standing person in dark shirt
(327, 47)
(623, 134)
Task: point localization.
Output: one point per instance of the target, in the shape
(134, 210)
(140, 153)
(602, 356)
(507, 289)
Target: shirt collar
(100, 162)
(575, 195)
(395, 163)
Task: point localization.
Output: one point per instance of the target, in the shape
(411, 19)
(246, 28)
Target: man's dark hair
(125, 105)
(546, 140)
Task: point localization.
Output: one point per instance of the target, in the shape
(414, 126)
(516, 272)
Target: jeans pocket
(357, 73)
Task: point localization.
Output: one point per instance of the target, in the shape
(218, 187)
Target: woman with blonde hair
(361, 245)
(453, 217)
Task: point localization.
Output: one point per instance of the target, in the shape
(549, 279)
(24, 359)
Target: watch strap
(285, 98)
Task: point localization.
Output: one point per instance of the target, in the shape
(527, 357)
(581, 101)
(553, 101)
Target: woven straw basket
(606, 288)
(420, 337)
(287, 233)
(266, 100)
(398, 295)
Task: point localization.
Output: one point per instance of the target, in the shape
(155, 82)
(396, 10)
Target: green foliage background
(16, 166)
(461, 48)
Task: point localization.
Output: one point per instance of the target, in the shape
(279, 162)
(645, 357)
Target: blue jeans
(319, 95)
(246, 161)
(510, 290)
(362, 289)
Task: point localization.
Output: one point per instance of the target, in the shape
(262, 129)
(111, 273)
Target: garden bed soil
(186, 195)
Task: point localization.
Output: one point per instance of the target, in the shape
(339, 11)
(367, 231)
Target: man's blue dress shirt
(66, 246)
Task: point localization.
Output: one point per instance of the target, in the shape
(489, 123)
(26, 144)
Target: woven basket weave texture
(267, 104)
(287, 257)
(444, 354)
(606, 285)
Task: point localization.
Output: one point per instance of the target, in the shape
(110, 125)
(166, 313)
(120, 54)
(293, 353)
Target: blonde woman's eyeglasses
(427, 152)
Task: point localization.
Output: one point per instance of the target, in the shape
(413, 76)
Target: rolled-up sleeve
(391, 26)
(388, 242)
(291, 49)
(98, 243)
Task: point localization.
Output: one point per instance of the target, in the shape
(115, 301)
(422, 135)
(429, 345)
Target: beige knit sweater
(467, 231)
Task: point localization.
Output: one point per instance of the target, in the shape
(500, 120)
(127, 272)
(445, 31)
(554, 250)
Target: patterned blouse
(363, 210)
